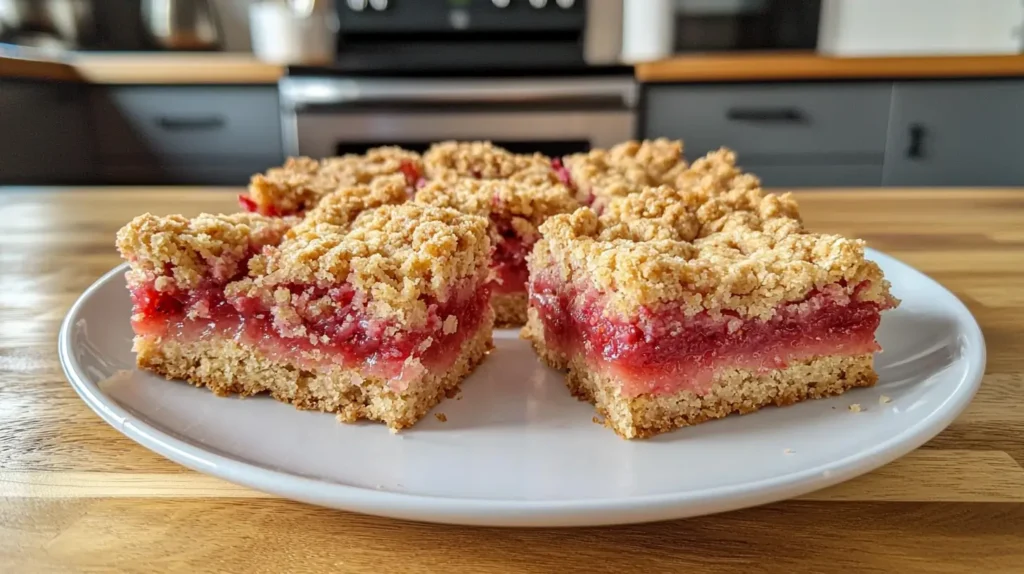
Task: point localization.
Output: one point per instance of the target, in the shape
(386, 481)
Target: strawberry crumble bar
(301, 182)
(675, 307)
(515, 209)
(364, 308)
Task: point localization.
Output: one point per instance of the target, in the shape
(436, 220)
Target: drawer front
(187, 121)
(844, 122)
(956, 133)
(817, 175)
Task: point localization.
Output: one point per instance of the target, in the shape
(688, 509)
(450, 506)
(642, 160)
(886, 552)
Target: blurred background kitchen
(822, 93)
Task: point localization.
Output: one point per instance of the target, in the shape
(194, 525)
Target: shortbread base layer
(734, 391)
(510, 308)
(229, 368)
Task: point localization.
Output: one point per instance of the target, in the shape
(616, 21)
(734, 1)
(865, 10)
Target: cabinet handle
(766, 115)
(196, 123)
(915, 149)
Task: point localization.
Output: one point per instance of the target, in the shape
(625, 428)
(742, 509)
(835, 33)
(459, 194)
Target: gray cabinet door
(956, 133)
(797, 134)
(186, 134)
(44, 135)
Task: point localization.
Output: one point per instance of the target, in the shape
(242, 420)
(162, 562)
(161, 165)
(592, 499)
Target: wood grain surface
(227, 68)
(146, 68)
(811, 66)
(77, 496)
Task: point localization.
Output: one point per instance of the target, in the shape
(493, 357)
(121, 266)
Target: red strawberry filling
(666, 352)
(250, 205)
(508, 259)
(332, 327)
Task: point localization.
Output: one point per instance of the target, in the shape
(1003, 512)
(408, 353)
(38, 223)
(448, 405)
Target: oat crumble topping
(747, 270)
(716, 172)
(395, 257)
(502, 199)
(215, 246)
(479, 159)
(668, 213)
(302, 181)
(626, 167)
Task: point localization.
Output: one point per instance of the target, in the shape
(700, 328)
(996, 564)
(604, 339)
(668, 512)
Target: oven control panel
(453, 16)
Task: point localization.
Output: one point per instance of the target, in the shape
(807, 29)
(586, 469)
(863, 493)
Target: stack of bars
(368, 285)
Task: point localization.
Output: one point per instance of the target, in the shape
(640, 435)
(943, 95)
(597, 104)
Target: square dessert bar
(369, 307)
(675, 307)
(515, 209)
(301, 182)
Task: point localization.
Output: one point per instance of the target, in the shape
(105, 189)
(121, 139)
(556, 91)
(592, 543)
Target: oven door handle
(302, 92)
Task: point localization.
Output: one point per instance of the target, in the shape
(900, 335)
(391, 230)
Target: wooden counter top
(154, 68)
(77, 495)
(228, 68)
(811, 66)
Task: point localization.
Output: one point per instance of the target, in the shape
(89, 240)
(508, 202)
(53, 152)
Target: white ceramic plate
(517, 450)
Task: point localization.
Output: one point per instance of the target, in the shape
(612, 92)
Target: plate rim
(530, 513)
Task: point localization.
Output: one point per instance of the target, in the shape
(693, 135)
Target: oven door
(325, 117)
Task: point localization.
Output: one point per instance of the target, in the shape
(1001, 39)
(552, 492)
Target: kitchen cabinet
(792, 135)
(956, 133)
(44, 133)
(186, 134)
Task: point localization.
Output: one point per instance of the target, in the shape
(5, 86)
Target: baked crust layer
(509, 308)
(229, 368)
(734, 391)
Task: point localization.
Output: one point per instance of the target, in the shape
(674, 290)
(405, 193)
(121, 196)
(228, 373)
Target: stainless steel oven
(324, 116)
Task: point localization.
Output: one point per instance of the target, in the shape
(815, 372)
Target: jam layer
(508, 259)
(668, 352)
(341, 335)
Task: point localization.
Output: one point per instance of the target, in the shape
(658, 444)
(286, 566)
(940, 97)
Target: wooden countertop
(811, 66)
(228, 68)
(148, 68)
(77, 495)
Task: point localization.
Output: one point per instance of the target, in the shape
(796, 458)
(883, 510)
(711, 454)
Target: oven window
(548, 148)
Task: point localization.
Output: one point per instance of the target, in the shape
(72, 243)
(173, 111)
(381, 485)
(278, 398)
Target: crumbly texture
(181, 252)
(510, 309)
(301, 182)
(600, 174)
(396, 257)
(481, 160)
(715, 172)
(340, 208)
(734, 391)
(227, 367)
(509, 200)
(685, 215)
(744, 269)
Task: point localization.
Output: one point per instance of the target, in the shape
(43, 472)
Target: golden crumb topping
(626, 168)
(341, 207)
(500, 198)
(397, 258)
(189, 250)
(508, 204)
(749, 271)
(668, 213)
(479, 159)
(715, 172)
(301, 182)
